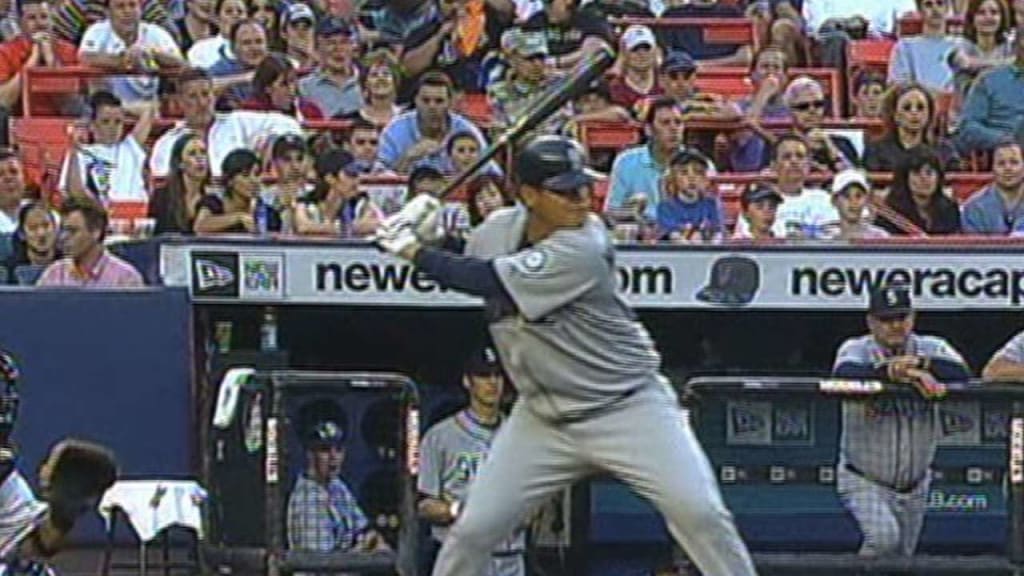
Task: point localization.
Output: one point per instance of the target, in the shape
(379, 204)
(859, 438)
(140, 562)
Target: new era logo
(215, 274)
(211, 275)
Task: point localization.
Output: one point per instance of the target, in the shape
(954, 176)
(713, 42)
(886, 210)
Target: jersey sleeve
(851, 352)
(431, 465)
(551, 274)
(1013, 351)
(91, 41)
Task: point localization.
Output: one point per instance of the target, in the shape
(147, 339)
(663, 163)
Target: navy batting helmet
(554, 163)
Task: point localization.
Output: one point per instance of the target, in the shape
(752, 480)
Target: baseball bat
(549, 102)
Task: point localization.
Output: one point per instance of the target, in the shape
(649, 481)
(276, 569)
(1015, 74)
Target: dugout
(774, 311)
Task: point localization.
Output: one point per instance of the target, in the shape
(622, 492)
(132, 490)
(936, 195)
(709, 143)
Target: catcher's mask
(8, 393)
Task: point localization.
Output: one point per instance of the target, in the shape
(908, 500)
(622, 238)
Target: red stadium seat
(476, 108)
(41, 144)
(609, 135)
(715, 30)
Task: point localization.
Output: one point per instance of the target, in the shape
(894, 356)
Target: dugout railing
(757, 438)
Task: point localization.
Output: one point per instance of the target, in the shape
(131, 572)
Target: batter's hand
(423, 213)
(396, 237)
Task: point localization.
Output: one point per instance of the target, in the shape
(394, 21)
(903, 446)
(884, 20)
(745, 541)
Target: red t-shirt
(624, 95)
(14, 54)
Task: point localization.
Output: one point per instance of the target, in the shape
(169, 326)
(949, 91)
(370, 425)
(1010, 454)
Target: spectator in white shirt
(123, 42)
(109, 169)
(223, 132)
(206, 52)
(833, 23)
(804, 211)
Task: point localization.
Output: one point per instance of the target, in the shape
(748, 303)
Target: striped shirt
(324, 518)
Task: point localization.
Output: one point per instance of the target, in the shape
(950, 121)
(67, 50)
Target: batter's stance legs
(529, 462)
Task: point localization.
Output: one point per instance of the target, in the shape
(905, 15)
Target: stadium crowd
(766, 121)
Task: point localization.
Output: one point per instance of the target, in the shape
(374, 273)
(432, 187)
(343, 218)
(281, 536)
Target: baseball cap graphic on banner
(734, 281)
(890, 301)
(554, 163)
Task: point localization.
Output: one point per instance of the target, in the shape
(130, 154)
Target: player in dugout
(451, 455)
(888, 443)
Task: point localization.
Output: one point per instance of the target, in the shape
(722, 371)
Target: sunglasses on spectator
(933, 4)
(365, 141)
(805, 106)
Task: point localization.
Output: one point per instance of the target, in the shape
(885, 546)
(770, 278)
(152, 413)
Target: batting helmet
(554, 163)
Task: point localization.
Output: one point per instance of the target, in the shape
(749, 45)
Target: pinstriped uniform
(886, 451)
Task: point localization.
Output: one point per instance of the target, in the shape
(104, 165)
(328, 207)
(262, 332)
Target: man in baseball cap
(444, 482)
(321, 498)
(639, 78)
(887, 445)
(851, 195)
(759, 204)
(334, 85)
(297, 31)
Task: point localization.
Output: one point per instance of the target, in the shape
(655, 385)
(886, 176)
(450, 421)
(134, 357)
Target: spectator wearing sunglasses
(926, 58)
(807, 103)
(909, 125)
(362, 142)
(529, 77)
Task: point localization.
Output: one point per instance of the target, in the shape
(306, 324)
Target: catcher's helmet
(554, 163)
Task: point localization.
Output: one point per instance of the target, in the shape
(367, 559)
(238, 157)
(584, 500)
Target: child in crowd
(690, 211)
(758, 204)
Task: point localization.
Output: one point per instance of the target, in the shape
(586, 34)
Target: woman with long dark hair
(909, 124)
(337, 206)
(234, 211)
(175, 204)
(917, 202)
(35, 240)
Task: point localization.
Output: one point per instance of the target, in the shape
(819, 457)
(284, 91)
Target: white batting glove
(423, 214)
(396, 237)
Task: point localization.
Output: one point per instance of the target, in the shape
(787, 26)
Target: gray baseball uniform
(1013, 351)
(886, 451)
(450, 457)
(591, 399)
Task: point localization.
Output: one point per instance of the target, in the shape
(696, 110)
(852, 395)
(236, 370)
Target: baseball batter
(888, 444)
(451, 455)
(591, 395)
(74, 475)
